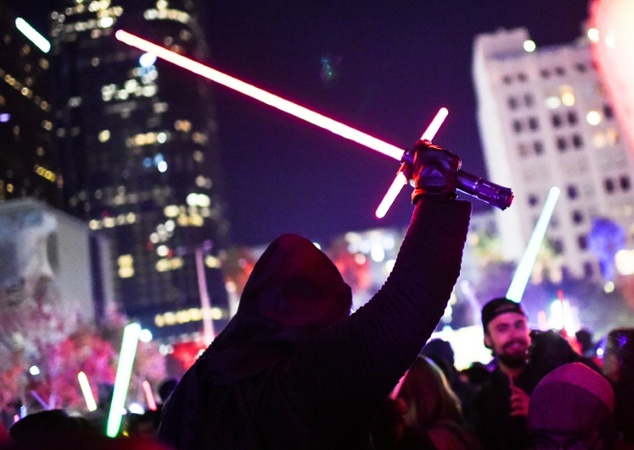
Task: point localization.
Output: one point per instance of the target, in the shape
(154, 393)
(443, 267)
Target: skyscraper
(139, 155)
(545, 121)
(27, 161)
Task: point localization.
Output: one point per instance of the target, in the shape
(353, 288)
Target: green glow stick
(122, 380)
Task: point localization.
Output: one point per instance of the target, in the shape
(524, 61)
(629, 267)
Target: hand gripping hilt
(484, 190)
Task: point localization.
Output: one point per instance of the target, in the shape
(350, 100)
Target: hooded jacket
(293, 369)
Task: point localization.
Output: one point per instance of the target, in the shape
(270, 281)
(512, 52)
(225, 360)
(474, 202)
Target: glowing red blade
(262, 95)
(435, 124)
(390, 195)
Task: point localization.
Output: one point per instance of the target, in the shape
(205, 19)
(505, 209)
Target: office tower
(27, 161)
(139, 154)
(545, 121)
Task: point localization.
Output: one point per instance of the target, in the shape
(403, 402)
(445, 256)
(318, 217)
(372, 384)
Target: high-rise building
(139, 154)
(27, 162)
(545, 121)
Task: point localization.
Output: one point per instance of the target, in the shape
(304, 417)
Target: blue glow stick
(524, 268)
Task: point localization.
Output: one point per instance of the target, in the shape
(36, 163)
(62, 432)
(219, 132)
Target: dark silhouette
(293, 369)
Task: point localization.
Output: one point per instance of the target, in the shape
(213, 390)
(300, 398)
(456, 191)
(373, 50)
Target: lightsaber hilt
(484, 190)
(491, 193)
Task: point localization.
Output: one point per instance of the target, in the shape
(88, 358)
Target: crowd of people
(294, 369)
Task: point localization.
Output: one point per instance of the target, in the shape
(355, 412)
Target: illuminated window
(567, 95)
(593, 117)
(183, 125)
(612, 136)
(104, 136)
(598, 140)
(553, 102)
(198, 156)
(593, 34)
(126, 266)
(199, 138)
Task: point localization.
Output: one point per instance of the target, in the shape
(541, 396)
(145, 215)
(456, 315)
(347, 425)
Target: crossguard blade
(484, 190)
(401, 180)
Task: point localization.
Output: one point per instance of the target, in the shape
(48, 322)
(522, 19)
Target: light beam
(32, 35)
(122, 379)
(86, 390)
(525, 267)
(149, 396)
(256, 93)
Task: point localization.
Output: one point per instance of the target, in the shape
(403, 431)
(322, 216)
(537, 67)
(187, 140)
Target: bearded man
(500, 408)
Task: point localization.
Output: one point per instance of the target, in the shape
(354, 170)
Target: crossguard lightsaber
(473, 185)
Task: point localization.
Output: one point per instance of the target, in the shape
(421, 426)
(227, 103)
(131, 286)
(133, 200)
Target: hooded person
(572, 407)
(293, 368)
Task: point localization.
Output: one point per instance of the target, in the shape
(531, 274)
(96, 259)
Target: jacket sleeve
(350, 368)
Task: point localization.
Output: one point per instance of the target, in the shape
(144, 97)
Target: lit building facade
(28, 165)
(545, 121)
(139, 155)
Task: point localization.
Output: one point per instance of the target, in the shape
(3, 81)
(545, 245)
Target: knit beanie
(571, 398)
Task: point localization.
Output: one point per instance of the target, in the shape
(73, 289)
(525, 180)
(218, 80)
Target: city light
(145, 335)
(32, 35)
(593, 117)
(147, 60)
(529, 45)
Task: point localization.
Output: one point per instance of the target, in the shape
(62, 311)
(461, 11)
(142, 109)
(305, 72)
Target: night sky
(382, 66)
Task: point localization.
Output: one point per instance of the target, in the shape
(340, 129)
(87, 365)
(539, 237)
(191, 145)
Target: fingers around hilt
(409, 155)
